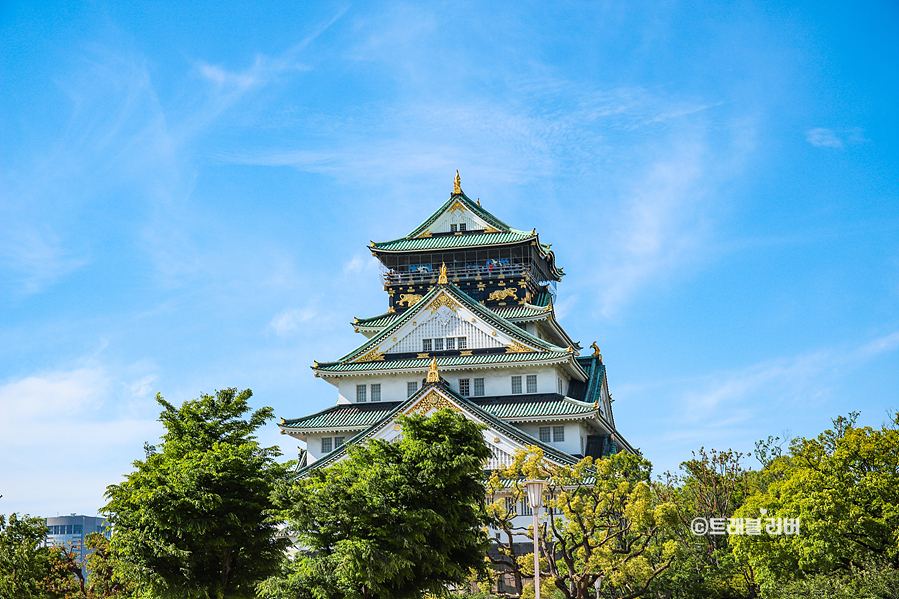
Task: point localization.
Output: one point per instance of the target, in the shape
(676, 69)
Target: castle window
(376, 392)
(425, 345)
(326, 444)
(558, 433)
(464, 388)
(524, 509)
(462, 226)
(453, 228)
(338, 442)
(360, 393)
(532, 383)
(411, 388)
(438, 344)
(462, 341)
(544, 434)
(516, 385)
(479, 387)
(560, 387)
(450, 343)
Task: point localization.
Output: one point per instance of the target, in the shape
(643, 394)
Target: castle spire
(441, 280)
(457, 184)
(433, 375)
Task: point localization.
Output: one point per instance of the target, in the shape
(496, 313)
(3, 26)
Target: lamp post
(535, 500)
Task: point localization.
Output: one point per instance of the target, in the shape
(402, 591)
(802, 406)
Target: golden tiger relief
(503, 294)
(410, 299)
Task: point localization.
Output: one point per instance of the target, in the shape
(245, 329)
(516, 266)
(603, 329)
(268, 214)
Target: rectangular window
(560, 387)
(532, 383)
(450, 343)
(544, 434)
(360, 393)
(338, 442)
(462, 342)
(524, 509)
(463, 226)
(510, 505)
(411, 388)
(464, 387)
(326, 444)
(77, 529)
(479, 387)
(425, 345)
(438, 344)
(376, 392)
(558, 433)
(454, 228)
(516, 385)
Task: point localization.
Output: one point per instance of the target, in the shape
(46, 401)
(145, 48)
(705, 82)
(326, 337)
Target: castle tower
(470, 298)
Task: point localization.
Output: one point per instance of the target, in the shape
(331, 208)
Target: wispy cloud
(38, 255)
(289, 320)
(828, 138)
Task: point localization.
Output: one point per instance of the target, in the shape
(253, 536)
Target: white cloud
(289, 320)
(40, 256)
(823, 138)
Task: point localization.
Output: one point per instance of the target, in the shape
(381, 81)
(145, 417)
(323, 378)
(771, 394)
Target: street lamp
(535, 500)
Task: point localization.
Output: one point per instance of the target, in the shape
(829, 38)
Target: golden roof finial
(479, 201)
(457, 184)
(433, 375)
(441, 280)
(596, 350)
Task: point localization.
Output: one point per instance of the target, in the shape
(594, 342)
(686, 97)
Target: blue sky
(186, 192)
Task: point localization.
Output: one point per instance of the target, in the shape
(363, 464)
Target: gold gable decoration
(431, 401)
(443, 300)
(514, 347)
(371, 356)
(457, 184)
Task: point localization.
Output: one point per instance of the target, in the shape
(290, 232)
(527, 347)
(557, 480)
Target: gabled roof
(342, 416)
(468, 203)
(484, 416)
(538, 309)
(526, 347)
(454, 241)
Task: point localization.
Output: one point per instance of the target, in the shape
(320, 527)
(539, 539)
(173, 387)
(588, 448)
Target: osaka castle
(470, 326)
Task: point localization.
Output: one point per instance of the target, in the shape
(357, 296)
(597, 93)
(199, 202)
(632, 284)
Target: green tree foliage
(27, 570)
(392, 520)
(711, 485)
(844, 487)
(604, 532)
(192, 520)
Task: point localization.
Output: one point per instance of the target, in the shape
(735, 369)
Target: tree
(844, 488)
(28, 570)
(712, 485)
(604, 532)
(193, 520)
(392, 520)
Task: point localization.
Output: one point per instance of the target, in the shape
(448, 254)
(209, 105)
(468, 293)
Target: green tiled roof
(453, 241)
(444, 361)
(463, 298)
(471, 205)
(508, 312)
(382, 320)
(517, 406)
(509, 430)
(343, 415)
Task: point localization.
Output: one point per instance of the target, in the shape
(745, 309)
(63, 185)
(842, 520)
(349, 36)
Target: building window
(462, 342)
(453, 228)
(438, 344)
(560, 387)
(524, 509)
(425, 345)
(544, 434)
(326, 444)
(77, 529)
(450, 343)
(462, 226)
(479, 387)
(516, 385)
(360, 393)
(558, 433)
(510, 506)
(338, 442)
(464, 388)
(532, 383)
(411, 388)
(376, 392)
